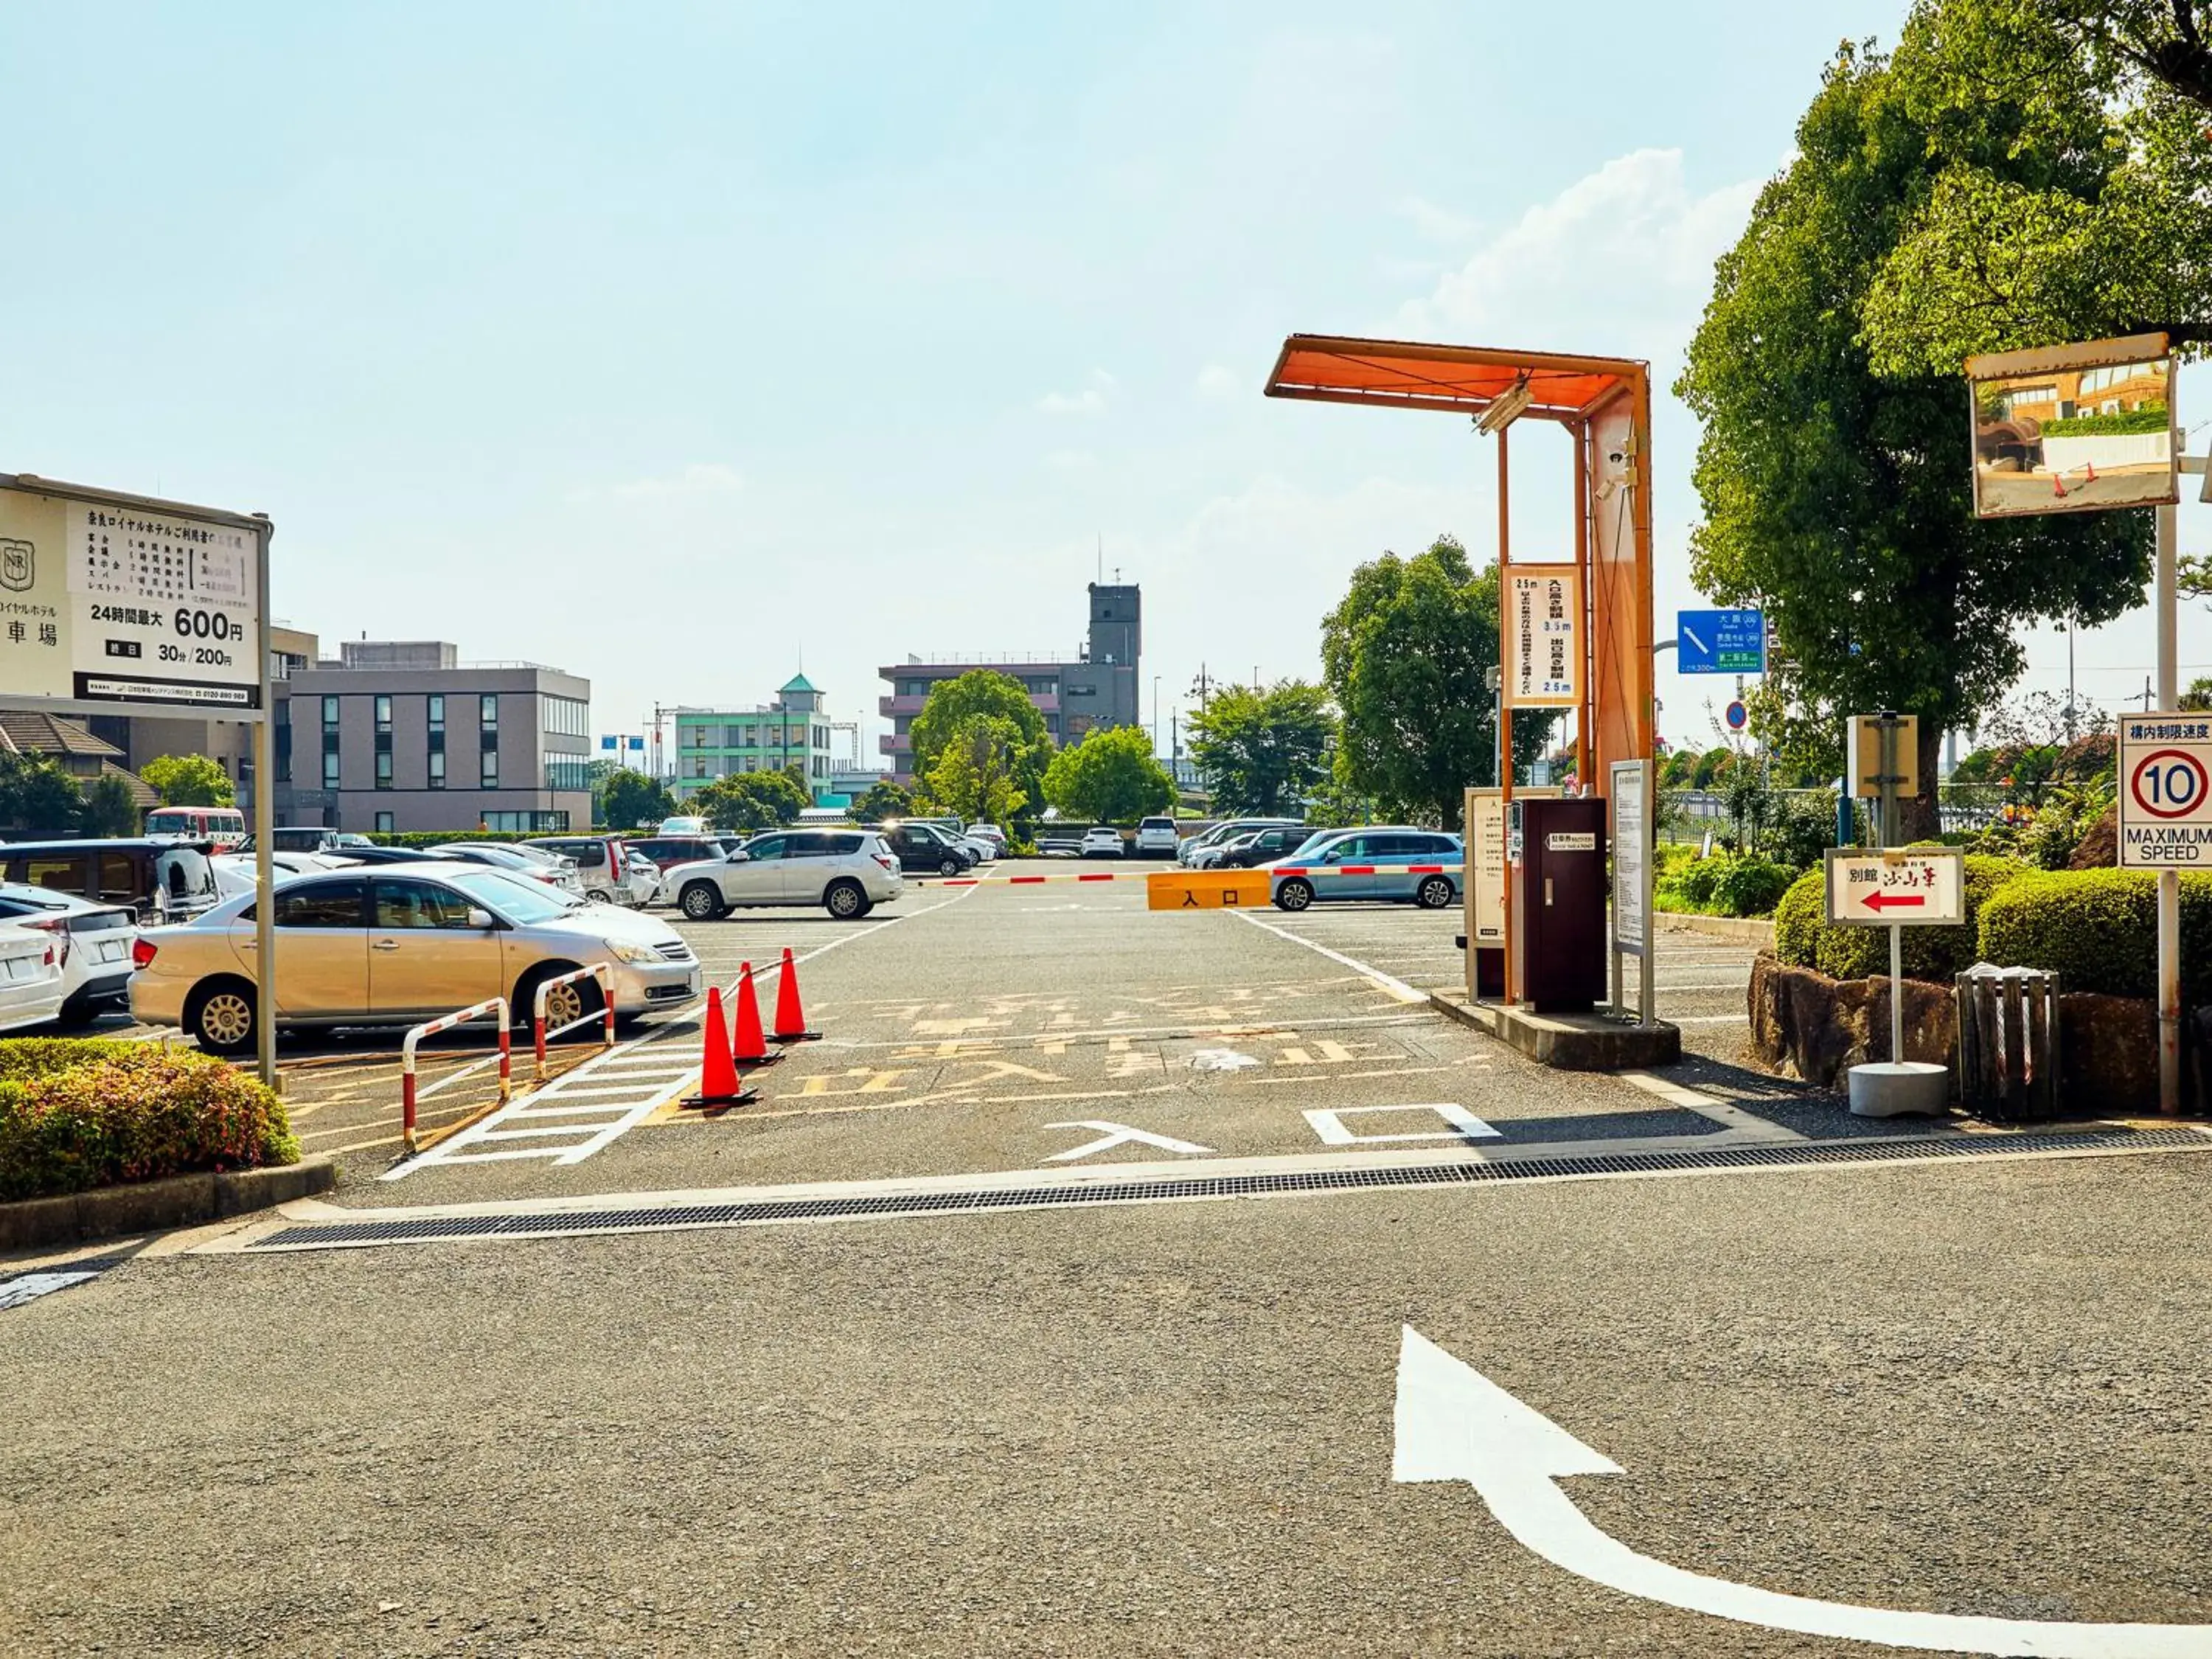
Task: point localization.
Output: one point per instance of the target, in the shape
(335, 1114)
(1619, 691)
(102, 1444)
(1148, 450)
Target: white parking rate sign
(2165, 791)
(1923, 887)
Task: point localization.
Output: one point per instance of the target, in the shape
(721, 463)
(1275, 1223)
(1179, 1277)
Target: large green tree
(1406, 654)
(188, 780)
(975, 776)
(37, 796)
(1837, 498)
(633, 800)
(109, 809)
(1261, 751)
(1110, 777)
(983, 691)
(2070, 178)
(882, 800)
(753, 800)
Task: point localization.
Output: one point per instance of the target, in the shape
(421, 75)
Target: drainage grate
(1799, 1155)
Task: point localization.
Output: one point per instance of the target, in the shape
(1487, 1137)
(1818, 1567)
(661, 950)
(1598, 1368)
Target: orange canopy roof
(1461, 379)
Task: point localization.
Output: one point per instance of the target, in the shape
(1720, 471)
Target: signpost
(1543, 636)
(1896, 888)
(1630, 792)
(1720, 642)
(115, 604)
(2083, 428)
(2165, 791)
(1737, 716)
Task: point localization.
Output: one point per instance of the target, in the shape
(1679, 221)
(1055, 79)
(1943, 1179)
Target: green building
(723, 743)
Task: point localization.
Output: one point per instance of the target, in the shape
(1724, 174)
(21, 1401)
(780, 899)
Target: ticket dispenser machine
(1558, 905)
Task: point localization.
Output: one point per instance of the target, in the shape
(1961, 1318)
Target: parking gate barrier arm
(539, 1036)
(431, 1028)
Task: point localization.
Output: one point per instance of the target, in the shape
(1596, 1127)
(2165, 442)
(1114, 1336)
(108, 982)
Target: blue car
(1381, 862)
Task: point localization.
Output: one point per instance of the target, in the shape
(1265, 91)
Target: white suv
(846, 872)
(1156, 839)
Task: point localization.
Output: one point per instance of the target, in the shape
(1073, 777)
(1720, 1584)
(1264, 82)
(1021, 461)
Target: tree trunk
(1923, 820)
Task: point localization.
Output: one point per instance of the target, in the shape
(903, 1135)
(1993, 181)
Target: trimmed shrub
(1804, 939)
(2098, 930)
(126, 1111)
(1750, 887)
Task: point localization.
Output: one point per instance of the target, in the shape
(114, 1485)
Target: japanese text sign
(2165, 791)
(1543, 637)
(1918, 887)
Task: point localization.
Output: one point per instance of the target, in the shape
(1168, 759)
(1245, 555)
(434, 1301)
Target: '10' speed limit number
(2165, 791)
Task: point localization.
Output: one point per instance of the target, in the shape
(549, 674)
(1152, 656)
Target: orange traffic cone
(2059, 486)
(718, 1086)
(790, 1022)
(751, 1051)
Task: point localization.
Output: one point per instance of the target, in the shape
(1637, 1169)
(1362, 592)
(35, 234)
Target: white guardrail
(446, 1023)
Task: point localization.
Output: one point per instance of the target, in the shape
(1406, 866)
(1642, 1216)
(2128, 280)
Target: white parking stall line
(1396, 987)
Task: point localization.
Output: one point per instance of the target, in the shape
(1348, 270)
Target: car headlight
(641, 955)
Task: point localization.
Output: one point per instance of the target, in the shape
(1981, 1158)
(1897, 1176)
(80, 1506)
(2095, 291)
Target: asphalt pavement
(1967, 1387)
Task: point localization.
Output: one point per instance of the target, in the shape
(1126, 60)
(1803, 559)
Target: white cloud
(700, 478)
(1091, 400)
(1071, 461)
(1620, 261)
(1217, 382)
(1438, 224)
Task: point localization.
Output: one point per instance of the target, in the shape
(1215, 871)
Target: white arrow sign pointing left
(1455, 1424)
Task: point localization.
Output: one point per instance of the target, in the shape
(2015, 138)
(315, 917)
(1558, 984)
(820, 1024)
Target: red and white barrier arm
(599, 971)
(1273, 870)
(446, 1023)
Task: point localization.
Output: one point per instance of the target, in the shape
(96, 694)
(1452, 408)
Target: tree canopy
(108, 808)
(983, 691)
(633, 800)
(1110, 777)
(1837, 498)
(1260, 752)
(37, 796)
(882, 800)
(975, 776)
(1406, 654)
(753, 800)
(188, 780)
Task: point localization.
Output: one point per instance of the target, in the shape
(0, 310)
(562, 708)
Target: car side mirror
(741, 856)
(481, 920)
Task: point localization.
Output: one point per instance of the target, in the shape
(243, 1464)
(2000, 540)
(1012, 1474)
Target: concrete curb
(146, 1207)
(1757, 929)
(1567, 1043)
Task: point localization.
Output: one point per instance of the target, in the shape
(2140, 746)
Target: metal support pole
(2169, 881)
(1505, 715)
(264, 833)
(1896, 993)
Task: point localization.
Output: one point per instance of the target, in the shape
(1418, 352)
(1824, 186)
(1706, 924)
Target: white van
(682, 827)
(223, 825)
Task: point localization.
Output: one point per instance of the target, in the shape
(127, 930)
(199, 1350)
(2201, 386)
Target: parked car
(926, 848)
(553, 871)
(1389, 849)
(1188, 849)
(298, 838)
(163, 880)
(992, 833)
(96, 940)
(846, 872)
(1259, 847)
(225, 826)
(1058, 846)
(236, 873)
(605, 873)
(681, 826)
(668, 851)
(1101, 841)
(31, 986)
(350, 854)
(1156, 838)
(404, 943)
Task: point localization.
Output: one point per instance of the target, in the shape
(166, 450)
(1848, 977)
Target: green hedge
(1804, 938)
(1725, 884)
(74, 1115)
(2098, 930)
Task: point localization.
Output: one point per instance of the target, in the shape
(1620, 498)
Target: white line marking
(1328, 1123)
(1452, 1423)
(1118, 1134)
(1676, 1094)
(1396, 987)
(30, 1287)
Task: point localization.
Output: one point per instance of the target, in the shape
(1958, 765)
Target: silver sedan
(404, 943)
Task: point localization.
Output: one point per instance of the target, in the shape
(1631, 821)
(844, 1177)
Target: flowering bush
(79, 1114)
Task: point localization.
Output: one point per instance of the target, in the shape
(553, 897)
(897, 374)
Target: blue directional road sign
(1720, 642)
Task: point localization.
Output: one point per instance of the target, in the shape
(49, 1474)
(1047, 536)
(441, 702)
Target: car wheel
(845, 900)
(221, 1015)
(565, 1004)
(1434, 893)
(702, 901)
(1294, 895)
(948, 866)
(77, 1010)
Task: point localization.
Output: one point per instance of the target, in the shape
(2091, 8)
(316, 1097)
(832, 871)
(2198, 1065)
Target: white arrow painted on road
(1118, 1134)
(1455, 1424)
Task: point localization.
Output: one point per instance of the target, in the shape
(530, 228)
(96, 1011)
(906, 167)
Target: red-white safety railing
(446, 1023)
(539, 1034)
(1178, 870)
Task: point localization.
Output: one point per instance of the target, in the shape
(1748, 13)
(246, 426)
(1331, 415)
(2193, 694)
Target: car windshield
(1312, 841)
(522, 901)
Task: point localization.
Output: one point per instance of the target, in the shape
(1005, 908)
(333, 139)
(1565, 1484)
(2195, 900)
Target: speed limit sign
(2165, 791)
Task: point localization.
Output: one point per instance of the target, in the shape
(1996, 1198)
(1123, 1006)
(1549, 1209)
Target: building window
(570, 717)
(384, 714)
(488, 740)
(284, 741)
(385, 825)
(330, 743)
(437, 768)
(384, 769)
(565, 771)
(488, 769)
(698, 766)
(435, 708)
(692, 737)
(537, 822)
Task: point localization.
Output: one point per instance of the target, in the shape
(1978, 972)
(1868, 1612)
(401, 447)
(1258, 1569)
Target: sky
(686, 346)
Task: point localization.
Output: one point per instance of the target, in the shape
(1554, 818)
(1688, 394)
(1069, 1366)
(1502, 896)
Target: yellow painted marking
(1004, 1068)
(1294, 1057)
(870, 1082)
(946, 1050)
(955, 1027)
(1334, 1051)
